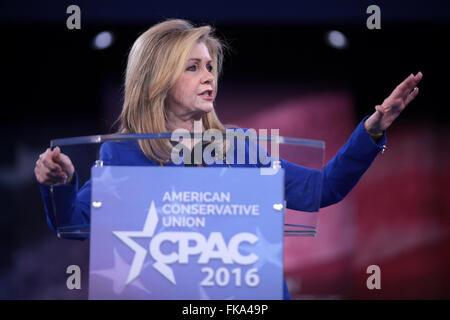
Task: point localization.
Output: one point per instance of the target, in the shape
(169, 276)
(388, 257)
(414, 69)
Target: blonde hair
(155, 62)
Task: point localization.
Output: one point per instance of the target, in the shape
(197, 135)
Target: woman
(171, 82)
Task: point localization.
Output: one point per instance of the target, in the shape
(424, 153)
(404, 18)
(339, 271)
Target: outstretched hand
(393, 105)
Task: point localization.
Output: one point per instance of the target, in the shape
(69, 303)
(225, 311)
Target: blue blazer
(305, 189)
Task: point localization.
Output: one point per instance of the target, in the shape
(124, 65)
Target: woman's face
(194, 92)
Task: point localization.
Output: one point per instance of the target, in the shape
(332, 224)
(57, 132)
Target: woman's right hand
(54, 167)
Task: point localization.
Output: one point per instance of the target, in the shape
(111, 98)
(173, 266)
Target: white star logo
(140, 252)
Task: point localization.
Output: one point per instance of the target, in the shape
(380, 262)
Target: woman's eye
(194, 68)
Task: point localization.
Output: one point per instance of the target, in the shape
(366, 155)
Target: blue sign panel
(186, 233)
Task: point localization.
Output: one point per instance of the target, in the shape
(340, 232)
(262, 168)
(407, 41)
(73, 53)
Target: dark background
(54, 84)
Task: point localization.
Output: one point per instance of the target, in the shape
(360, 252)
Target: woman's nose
(207, 76)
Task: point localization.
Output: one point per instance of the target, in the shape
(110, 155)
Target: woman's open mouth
(207, 95)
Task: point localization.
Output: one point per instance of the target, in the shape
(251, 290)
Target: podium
(178, 231)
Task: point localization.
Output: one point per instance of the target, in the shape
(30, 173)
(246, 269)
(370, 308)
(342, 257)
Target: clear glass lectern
(299, 158)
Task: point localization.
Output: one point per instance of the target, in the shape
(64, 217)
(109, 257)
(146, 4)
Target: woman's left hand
(393, 105)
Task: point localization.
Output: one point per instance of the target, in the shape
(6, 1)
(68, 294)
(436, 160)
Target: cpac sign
(229, 254)
(140, 251)
(206, 248)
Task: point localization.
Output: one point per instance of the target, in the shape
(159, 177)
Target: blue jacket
(305, 189)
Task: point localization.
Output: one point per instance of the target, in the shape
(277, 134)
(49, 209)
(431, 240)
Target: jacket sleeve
(69, 206)
(309, 189)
